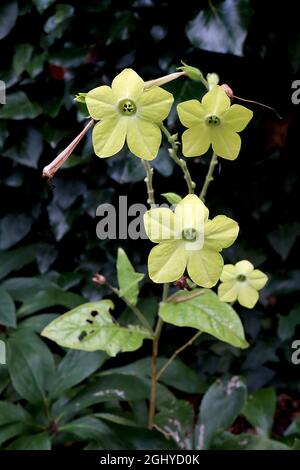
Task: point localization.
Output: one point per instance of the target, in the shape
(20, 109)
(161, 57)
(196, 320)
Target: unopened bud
(99, 279)
(182, 283)
(227, 90)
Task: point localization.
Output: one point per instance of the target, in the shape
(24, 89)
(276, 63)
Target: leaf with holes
(90, 327)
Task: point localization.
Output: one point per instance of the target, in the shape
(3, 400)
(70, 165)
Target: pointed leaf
(128, 278)
(205, 312)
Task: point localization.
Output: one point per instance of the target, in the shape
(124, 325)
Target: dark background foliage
(49, 251)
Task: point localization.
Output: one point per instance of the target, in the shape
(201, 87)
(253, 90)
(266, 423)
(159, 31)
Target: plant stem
(175, 354)
(153, 390)
(149, 183)
(179, 161)
(133, 308)
(209, 176)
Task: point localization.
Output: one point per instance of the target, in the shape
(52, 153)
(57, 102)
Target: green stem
(175, 354)
(179, 161)
(133, 308)
(153, 390)
(149, 183)
(209, 176)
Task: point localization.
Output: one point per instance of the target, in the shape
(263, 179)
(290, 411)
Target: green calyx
(127, 107)
(213, 120)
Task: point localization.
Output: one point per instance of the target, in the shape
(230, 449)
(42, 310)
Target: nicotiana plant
(188, 243)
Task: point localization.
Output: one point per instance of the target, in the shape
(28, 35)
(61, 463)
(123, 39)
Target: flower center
(127, 107)
(213, 120)
(189, 234)
(241, 278)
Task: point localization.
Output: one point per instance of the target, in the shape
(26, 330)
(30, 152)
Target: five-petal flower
(241, 282)
(187, 238)
(127, 111)
(213, 121)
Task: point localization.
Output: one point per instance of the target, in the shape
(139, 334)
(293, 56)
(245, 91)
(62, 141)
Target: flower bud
(227, 90)
(99, 279)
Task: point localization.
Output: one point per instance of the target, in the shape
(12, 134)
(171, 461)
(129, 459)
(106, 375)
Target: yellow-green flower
(241, 282)
(188, 239)
(213, 121)
(127, 111)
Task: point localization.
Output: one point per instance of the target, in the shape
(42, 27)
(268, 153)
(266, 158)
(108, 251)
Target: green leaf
(10, 413)
(30, 365)
(49, 298)
(8, 17)
(228, 441)
(287, 324)
(220, 406)
(11, 430)
(74, 368)
(109, 388)
(260, 410)
(7, 309)
(16, 259)
(90, 327)
(172, 198)
(13, 228)
(87, 428)
(42, 5)
(32, 442)
(128, 278)
(201, 309)
(19, 107)
(28, 149)
(176, 418)
(37, 323)
(283, 239)
(21, 57)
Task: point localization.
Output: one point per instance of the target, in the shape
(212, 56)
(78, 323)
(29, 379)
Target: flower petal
(237, 117)
(109, 136)
(101, 103)
(228, 291)
(225, 142)
(196, 141)
(228, 273)
(167, 261)
(143, 138)
(155, 104)
(190, 213)
(191, 113)
(205, 267)
(159, 224)
(257, 279)
(128, 84)
(244, 268)
(247, 296)
(216, 101)
(220, 232)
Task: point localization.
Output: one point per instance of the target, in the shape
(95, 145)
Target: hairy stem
(175, 354)
(179, 161)
(133, 308)
(153, 390)
(209, 176)
(149, 183)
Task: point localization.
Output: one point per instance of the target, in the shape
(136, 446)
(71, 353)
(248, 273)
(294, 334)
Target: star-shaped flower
(213, 121)
(188, 239)
(128, 111)
(241, 282)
